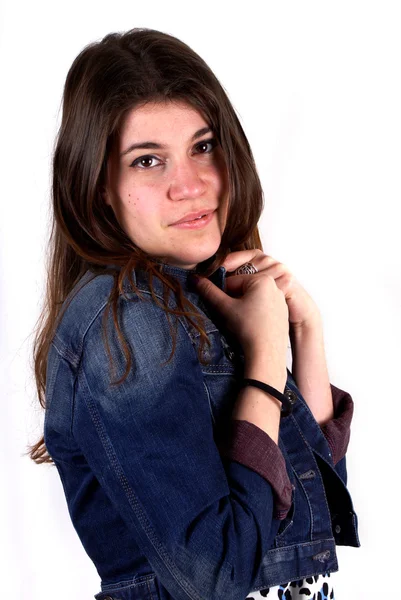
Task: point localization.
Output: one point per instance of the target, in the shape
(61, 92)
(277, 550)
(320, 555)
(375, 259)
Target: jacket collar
(141, 278)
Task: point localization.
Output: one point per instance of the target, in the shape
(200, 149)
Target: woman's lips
(197, 223)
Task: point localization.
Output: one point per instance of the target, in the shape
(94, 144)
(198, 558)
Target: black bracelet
(287, 399)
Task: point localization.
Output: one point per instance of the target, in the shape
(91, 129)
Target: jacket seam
(74, 358)
(208, 399)
(131, 497)
(318, 470)
(316, 425)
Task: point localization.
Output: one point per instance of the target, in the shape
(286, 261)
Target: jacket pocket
(142, 588)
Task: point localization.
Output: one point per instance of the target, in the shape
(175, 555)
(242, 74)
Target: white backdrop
(316, 86)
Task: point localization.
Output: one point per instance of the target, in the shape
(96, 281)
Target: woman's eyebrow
(155, 146)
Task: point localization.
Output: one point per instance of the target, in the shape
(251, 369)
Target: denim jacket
(169, 500)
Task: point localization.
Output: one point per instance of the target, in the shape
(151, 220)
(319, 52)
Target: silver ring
(246, 269)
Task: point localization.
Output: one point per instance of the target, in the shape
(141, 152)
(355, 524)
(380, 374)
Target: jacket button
(230, 353)
(337, 528)
(292, 397)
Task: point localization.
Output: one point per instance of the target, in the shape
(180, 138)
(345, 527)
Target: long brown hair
(106, 80)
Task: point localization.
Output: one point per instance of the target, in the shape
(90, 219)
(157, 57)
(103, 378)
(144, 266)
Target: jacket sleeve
(337, 431)
(204, 522)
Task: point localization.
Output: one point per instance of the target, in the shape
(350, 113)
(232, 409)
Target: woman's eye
(138, 162)
(142, 162)
(212, 142)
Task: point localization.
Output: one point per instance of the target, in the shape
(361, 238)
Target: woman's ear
(105, 196)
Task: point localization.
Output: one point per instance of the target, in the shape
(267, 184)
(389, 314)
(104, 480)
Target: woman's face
(177, 170)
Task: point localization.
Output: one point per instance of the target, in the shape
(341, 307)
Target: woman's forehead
(161, 118)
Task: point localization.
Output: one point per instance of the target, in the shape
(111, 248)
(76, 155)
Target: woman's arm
(309, 369)
(331, 406)
(202, 521)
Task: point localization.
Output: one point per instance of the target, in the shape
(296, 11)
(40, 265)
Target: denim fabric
(161, 513)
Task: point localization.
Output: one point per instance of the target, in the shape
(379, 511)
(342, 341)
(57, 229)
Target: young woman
(194, 464)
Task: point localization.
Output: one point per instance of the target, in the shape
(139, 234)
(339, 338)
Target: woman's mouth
(198, 223)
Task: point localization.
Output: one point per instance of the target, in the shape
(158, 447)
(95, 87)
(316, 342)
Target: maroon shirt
(254, 448)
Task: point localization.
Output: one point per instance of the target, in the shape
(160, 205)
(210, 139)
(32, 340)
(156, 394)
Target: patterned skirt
(316, 587)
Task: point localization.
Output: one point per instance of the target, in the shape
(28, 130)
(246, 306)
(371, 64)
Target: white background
(316, 86)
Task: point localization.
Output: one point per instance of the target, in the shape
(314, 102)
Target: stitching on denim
(131, 497)
(315, 424)
(52, 378)
(307, 443)
(75, 358)
(127, 583)
(50, 387)
(331, 445)
(218, 369)
(63, 350)
(171, 304)
(300, 482)
(305, 544)
(72, 357)
(280, 535)
(149, 590)
(324, 489)
(317, 471)
(208, 399)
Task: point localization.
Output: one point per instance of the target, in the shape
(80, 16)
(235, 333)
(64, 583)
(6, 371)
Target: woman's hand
(255, 311)
(302, 310)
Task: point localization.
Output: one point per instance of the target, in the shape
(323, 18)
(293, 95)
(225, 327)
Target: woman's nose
(186, 181)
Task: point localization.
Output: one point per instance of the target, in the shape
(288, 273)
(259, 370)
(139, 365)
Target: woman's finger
(236, 259)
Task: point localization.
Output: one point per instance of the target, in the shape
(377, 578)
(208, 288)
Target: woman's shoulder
(85, 300)
(81, 317)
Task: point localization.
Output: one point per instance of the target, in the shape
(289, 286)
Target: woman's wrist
(266, 368)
